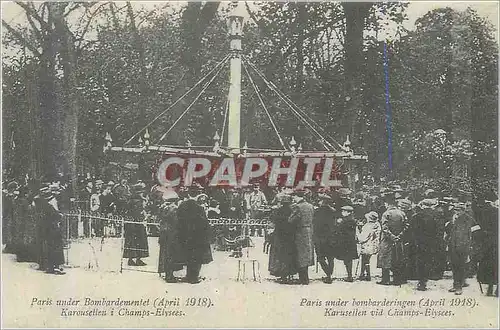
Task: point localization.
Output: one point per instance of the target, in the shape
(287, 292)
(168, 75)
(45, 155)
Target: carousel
(328, 147)
(143, 145)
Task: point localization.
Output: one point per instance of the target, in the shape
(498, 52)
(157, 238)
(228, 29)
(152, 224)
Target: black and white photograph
(249, 164)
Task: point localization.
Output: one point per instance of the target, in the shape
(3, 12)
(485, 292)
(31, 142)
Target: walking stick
(480, 287)
(357, 266)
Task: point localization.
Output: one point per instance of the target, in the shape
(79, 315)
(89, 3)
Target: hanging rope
(296, 110)
(224, 123)
(301, 118)
(192, 103)
(179, 99)
(264, 106)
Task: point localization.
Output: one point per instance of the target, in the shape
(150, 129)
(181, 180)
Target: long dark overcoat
(194, 233)
(324, 224)
(302, 220)
(170, 248)
(344, 238)
(488, 262)
(136, 237)
(282, 253)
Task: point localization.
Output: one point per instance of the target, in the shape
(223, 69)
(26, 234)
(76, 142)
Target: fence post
(79, 229)
(68, 223)
(122, 234)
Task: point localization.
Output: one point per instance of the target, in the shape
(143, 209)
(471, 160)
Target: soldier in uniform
(302, 221)
(391, 254)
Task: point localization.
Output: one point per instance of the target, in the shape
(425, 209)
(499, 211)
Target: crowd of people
(415, 235)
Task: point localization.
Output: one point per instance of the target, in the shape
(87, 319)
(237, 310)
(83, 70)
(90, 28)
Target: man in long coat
(488, 262)
(194, 236)
(170, 249)
(344, 239)
(459, 236)
(323, 233)
(425, 227)
(391, 254)
(302, 220)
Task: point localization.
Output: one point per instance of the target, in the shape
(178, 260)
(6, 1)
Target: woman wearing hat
(282, 249)
(369, 239)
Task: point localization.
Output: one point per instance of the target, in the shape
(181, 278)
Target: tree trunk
(355, 15)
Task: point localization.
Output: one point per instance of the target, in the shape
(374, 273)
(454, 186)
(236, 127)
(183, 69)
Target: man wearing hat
(323, 231)
(282, 256)
(302, 221)
(136, 238)
(344, 239)
(170, 248)
(256, 200)
(425, 228)
(194, 235)
(459, 232)
(391, 254)
(8, 218)
(51, 238)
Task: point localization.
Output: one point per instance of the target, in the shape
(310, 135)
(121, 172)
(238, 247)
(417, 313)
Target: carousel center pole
(235, 23)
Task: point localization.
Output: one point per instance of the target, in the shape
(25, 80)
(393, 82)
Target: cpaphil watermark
(290, 172)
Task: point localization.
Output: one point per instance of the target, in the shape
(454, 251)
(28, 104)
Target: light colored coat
(369, 238)
(302, 219)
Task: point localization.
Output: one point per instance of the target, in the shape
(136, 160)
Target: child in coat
(368, 238)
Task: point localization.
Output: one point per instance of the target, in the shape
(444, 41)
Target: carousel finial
(293, 143)
(245, 148)
(216, 141)
(107, 144)
(146, 137)
(188, 144)
(300, 147)
(347, 144)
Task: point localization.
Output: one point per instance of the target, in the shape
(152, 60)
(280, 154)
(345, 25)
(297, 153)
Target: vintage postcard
(249, 164)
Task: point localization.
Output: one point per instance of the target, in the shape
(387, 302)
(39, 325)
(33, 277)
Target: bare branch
(31, 11)
(21, 39)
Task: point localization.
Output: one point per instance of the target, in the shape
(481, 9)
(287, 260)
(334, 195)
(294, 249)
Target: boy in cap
(368, 238)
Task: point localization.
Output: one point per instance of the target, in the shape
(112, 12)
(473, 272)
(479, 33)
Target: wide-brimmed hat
(347, 208)
(371, 216)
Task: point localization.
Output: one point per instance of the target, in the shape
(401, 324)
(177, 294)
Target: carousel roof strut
(224, 122)
(264, 106)
(224, 60)
(299, 113)
(207, 84)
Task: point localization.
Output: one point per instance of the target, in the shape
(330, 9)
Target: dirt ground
(94, 273)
